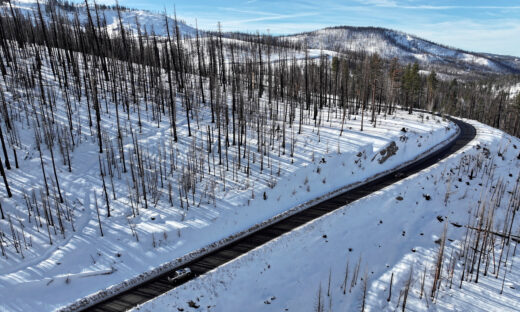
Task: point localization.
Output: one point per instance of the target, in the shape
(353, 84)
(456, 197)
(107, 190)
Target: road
(159, 285)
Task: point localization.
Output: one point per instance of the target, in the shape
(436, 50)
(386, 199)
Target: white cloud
(382, 3)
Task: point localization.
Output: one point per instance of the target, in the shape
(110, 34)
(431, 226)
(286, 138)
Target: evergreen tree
(431, 88)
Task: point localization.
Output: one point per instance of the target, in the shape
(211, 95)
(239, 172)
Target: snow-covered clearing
(390, 235)
(44, 268)
(514, 90)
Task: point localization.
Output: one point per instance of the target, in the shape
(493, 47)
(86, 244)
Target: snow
(510, 88)
(383, 236)
(514, 90)
(477, 60)
(440, 76)
(80, 262)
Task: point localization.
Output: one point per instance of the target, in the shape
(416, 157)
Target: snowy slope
(55, 269)
(380, 238)
(148, 21)
(407, 48)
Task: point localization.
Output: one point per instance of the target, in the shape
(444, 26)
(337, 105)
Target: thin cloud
(455, 7)
(395, 4)
(270, 18)
(250, 12)
(381, 3)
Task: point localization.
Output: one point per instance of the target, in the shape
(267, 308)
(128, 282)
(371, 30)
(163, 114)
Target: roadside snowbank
(381, 237)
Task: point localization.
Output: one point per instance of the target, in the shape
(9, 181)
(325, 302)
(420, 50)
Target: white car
(179, 275)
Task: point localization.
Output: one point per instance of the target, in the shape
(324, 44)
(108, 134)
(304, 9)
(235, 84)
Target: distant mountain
(151, 22)
(407, 48)
(387, 43)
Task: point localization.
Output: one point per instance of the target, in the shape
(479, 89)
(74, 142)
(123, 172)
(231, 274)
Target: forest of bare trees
(260, 86)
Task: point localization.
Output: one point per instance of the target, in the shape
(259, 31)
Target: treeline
(491, 101)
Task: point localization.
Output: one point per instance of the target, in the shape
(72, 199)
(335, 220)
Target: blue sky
(482, 26)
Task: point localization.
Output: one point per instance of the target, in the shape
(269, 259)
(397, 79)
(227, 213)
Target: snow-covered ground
(514, 90)
(80, 263)
(390, 235)
(46, 265)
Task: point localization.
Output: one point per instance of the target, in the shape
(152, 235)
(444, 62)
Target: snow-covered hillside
(148, 21)
(405, 47)
(101, 236)
(381, 252)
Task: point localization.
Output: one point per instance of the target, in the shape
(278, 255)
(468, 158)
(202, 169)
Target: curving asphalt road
(159, 285)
